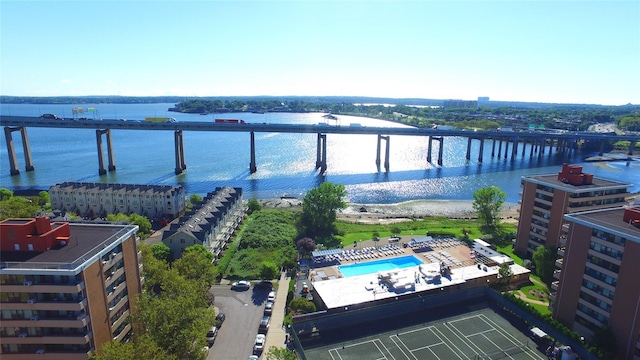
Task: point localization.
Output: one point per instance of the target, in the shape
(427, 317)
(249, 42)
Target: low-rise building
(66, 288)
(210, 223)
(99, 200)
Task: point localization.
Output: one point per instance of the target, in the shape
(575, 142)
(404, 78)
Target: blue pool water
(379, 265)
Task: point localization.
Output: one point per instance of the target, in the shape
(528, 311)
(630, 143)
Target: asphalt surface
(243, 310)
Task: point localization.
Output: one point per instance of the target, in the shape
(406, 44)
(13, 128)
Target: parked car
(253, 357)
(272, 296)
(268, 308)
(259, 345)
(241, 285)
(220, 319)
(264, 324)
(211, 335)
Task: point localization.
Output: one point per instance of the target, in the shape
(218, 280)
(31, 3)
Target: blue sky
(559, 51)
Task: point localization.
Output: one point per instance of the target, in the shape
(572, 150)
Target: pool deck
(337, 291)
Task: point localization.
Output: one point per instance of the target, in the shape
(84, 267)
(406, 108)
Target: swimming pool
(379, 265)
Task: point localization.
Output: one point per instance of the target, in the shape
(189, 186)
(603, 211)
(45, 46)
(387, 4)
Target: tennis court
(480, 334)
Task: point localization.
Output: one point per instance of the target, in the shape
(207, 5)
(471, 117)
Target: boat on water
(330, 117)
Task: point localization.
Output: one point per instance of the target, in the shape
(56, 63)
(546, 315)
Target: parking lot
(243, 310)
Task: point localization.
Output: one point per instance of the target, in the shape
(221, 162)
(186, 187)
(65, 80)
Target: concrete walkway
(277, 333)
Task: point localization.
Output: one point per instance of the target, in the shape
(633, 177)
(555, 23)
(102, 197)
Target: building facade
(99, 200)
(66, 288)
(598, 284)
(210, 223)
(547, 198)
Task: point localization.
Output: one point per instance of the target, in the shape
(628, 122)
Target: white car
(272, 296)
(259, 346)
(241, 285)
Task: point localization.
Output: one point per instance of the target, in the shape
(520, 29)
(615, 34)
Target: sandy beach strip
(403, 210)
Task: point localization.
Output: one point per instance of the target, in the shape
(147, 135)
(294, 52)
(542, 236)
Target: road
(243, 310)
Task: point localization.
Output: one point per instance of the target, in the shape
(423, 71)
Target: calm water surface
(286, 162)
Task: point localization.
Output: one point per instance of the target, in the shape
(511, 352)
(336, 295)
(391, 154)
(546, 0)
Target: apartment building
(66, 288)
(598, 282)
(210, 223)
(547, 198)
(98, 200)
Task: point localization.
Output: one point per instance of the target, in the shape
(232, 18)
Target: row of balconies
(37, 321)
(24, 338)
(64, 288)
(34, 305)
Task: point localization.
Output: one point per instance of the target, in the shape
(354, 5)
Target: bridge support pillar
(524, 147)
(481, 152)
(11, 151)
(601, 152)
(440, 149)
(386, 152)
(500, 149)
(506, 148)
(179, 151)
(493, 148)
(514, 149)
(112, 165)
(252, 164)
(632, 146)
(468, 156)
(321, 157)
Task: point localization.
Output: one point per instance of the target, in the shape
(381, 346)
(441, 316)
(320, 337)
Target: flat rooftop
(609, 220)
(337, 292)
(597, 183)
(86, 241)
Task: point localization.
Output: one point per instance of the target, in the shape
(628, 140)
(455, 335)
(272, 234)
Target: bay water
(285, 162)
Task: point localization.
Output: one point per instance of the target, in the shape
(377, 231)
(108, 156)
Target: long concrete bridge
(538, 141)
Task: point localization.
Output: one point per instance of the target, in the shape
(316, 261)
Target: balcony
(36, 321)
(72, 339)
(123, 333)
(50, 355)
(560, 251)
(30, 287)
(556, 274)
(552, 298)
(47, 305)
(559, 263)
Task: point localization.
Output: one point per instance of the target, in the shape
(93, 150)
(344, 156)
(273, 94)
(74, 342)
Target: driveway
(243, 310)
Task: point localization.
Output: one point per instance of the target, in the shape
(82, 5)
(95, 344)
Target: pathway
(277, 334)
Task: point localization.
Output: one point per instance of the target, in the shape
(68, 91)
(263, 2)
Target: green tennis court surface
(479, 334)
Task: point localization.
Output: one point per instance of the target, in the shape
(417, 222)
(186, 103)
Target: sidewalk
(277, 333)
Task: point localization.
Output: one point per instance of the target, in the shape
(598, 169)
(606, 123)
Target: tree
(142, 221)
(43, 198)
(162, 252)
(305, 246)
(5, 194)
(17, 207)
(319, 208)
(253, 205)
(277, 353)
(302, 306)
(487, 203)
(196, 264)
(544, 258)
(505, 274)
(268, 270)
(195, 198)
(142, 347)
